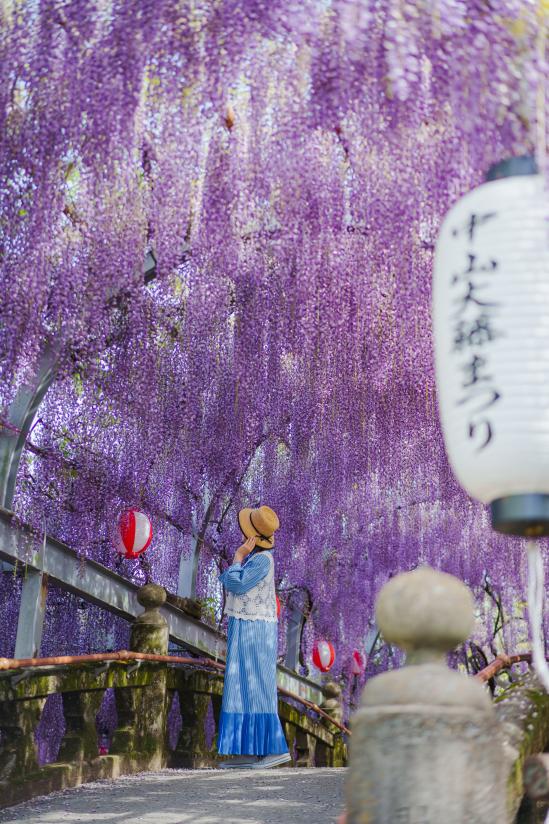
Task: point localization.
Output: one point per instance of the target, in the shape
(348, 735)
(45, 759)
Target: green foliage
(208, 607)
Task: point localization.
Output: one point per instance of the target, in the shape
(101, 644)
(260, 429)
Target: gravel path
(280, 796)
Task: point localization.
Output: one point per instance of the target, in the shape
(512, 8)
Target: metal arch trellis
(24, 407)
(20, 417)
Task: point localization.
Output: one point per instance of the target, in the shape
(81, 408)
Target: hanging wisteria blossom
(218, 222)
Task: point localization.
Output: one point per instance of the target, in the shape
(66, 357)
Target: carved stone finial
(332, 701)
(426, 613)
(150, 629)
(332, 690)
(151, 596)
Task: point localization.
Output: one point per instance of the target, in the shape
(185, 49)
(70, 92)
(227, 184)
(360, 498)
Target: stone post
(80, 740)
(18, 722)
(196, 689)
(191, 751)
(142, 711)
(522, 711)
(426, 746)
(332, 705)
(150, 629)
(332, 702)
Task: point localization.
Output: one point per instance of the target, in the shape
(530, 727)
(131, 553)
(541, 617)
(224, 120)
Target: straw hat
(259, 523)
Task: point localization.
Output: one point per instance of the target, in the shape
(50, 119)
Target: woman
(250, 727)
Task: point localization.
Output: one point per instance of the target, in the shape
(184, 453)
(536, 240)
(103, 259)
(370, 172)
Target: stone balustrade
(143, 692)
(429, 745)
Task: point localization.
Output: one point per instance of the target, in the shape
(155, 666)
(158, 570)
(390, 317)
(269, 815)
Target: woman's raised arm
(239, 579)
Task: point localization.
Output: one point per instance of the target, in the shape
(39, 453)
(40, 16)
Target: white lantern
(491, 333)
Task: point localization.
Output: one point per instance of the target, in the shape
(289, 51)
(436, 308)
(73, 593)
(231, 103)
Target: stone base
(425, 764)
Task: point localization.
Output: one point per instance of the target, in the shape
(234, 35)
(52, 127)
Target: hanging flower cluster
(282, 168)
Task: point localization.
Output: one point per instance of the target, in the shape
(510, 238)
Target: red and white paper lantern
(358, 664)
(134, 533)
(323, 655)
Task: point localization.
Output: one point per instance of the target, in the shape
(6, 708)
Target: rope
(541, 91)
(535, 611)
(502, 661)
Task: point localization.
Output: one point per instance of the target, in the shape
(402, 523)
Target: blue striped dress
(249, 723)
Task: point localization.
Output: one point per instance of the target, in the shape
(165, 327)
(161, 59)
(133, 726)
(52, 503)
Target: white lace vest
(259, 603)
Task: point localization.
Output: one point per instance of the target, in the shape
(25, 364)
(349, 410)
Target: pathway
(280, 796)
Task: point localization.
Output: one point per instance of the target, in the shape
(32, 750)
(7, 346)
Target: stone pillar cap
(425, 612)
(151, 596)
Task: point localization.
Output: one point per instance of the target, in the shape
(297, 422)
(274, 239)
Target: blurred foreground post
(425, 746)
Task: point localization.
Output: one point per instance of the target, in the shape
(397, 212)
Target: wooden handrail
(120, 655)
(316, 708)
(502, 661)
(126, 655)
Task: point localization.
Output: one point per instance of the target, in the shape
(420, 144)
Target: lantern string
(541, 120)
(535, 610)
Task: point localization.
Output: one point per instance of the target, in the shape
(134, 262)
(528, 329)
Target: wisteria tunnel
(220, 221)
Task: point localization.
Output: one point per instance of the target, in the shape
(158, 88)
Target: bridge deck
(279, 796)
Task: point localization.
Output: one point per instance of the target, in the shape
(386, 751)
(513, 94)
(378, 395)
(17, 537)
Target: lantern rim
(512, 167)
(524, 515)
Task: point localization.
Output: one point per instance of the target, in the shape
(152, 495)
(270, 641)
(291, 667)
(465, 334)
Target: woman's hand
(243, 551)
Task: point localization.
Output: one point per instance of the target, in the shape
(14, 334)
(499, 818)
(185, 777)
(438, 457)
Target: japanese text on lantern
(473, 331)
